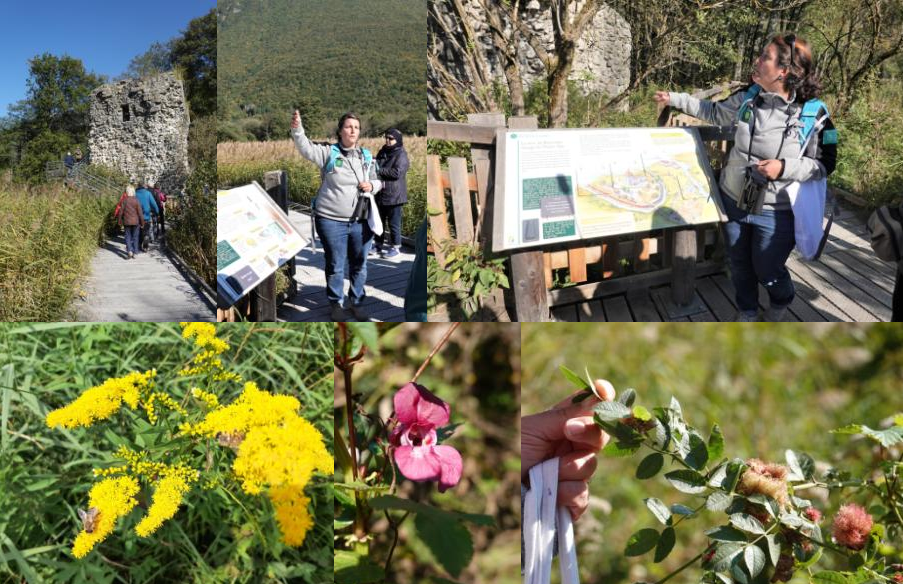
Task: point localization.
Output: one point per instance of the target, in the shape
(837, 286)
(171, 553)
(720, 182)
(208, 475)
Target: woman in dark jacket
(392, 161)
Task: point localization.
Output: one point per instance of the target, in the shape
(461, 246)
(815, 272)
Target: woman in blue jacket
(392, 162)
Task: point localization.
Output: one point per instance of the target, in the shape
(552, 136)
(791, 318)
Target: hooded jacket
(338, 192)
(770, 131)
(393, 167)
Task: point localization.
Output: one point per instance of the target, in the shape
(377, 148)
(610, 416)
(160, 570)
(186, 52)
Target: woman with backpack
(392, 163)
(783, 137)
(131, 217)
(349, 179)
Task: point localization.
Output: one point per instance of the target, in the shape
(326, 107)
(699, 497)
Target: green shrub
(192, 220)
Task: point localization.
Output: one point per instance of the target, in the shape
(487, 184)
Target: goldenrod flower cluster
(102, 401)
(113, 498)
(280, 450)
(138, 464)
(175, 483)
(164, 399)
(206, 361)
(209, 399)
(253, 408)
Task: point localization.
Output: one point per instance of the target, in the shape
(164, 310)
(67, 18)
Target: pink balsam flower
(852, 525)
(419, 458)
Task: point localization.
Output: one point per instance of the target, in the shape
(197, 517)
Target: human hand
(365, 186)
(662, 97)
(296, 120)
(770, 169)
(568, 432)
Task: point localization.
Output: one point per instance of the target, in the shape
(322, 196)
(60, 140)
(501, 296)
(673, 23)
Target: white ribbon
(541, 516)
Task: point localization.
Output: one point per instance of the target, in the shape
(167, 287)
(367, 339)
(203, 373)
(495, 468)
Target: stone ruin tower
(140, 127)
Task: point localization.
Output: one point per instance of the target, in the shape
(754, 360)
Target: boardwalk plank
(387, 282)
(591, 311)
(148, 288)
(616, 309)
(642, 306)
(721, 306)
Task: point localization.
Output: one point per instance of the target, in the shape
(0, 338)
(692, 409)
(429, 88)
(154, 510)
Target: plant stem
(395, 527)
(680, 569)
(435, 350)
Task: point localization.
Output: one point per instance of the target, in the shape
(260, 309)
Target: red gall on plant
(852, 525)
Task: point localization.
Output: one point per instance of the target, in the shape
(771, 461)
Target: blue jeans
(131, 238)
(344, 241)
(391, 217)
(758, 247)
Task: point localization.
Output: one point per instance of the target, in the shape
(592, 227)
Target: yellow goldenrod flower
(209, 399)
(204, 334)
(252, 409)
(292, 513)
(139, 465)
(286, 454)
(113, 498)
(102, 401)
(174, 485)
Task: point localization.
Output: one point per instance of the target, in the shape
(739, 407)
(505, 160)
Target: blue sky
(104, 34)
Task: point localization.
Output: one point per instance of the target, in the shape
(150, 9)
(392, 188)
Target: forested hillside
(324, 58)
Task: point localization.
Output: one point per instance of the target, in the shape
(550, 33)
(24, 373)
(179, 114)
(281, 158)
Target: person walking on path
(392, 162)
(148, 205)
(160, 198)
(131, 217)
(767, 162)
(348, 174)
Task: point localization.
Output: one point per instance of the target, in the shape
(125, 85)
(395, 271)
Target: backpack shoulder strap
(333, 156)
(748, 97)
(811, 120)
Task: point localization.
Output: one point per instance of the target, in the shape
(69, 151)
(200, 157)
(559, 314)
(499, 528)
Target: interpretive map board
(570, 184)
(253, 238)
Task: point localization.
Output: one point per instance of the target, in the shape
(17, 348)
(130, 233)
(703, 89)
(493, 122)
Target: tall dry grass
(239, 163)
(48, 235)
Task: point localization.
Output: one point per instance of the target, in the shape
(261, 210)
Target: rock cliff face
(602, 62)
(140, 126)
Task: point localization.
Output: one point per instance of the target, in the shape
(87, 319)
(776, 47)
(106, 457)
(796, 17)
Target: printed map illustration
(563, 185)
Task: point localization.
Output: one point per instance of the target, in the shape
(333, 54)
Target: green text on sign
(537, 188)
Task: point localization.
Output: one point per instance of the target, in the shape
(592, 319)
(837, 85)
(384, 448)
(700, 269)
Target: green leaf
(7, 376)
(650, 466)
(747, 523)
(735, 468)
(829, 577)
(393, 502)
(716, 443)
(351, 568)
(699, 453)
(724, 554)
(627, 397)
(659, 509)
(584, 395)
(621, 448)
(448, 540)
(718, 501)
(686, 481)
(774, 548)
(575, 379)
(675, 407)
(608, 411)
(341, 524)
(641, 413)
(726, 533)
(755, 560)
(898, 419)
(641, 542)
(678, 509)
(363, 488)
(665, 544)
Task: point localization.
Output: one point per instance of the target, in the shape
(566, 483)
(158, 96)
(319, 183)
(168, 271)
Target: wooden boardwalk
(847, 284)
(149, 288)
(385, 288)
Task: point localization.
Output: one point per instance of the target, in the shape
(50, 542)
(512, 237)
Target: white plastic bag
(541, 517)
(373, 219)
(808, 202)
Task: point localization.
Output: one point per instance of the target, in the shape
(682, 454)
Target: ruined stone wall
(602, 62)
(140, 126)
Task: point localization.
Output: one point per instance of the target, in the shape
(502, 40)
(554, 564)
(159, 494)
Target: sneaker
(747, 317)
(374, 251)
(131, 255)
(389, 253)
(773, 314)
(358, 314)
(339, 314)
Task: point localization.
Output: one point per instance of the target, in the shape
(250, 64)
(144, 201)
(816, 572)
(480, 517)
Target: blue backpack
(809, 115)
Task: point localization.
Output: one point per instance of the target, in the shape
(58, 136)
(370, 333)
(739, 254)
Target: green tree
(195, 54)
(157, 59)
(43, 148)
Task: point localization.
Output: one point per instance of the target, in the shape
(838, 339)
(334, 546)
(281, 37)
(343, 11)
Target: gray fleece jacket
(776, 126)
(338, 192)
